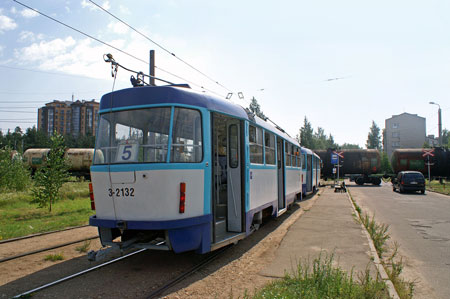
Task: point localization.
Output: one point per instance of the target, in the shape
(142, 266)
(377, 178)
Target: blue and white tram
(310, 171)
(179, 170)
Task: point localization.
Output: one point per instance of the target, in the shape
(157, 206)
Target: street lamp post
(439, 122)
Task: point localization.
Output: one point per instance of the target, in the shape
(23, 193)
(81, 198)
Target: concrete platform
(327, 226)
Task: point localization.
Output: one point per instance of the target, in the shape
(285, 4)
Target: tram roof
(150, 95)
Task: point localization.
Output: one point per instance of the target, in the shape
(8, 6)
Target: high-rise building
(404, 131)
(78, 118)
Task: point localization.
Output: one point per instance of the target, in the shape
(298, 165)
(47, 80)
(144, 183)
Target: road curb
(374, 254)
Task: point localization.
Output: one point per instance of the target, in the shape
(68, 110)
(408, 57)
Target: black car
(409, 181)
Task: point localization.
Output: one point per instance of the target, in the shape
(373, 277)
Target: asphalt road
(421, 226)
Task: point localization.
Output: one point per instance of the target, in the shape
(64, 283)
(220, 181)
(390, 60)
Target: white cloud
(28, 13)
(86, 3)
(45, 50)
(6, 23)
(124, 10)
(1, 50)
(28, 36)
(118, 27)
(77, 57)
(13, 10)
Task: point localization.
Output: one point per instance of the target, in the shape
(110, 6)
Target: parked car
(409, 181)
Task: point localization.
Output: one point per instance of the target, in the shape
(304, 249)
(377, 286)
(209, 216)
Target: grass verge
(19, 217)
(320, 279)
(392, 264)
(436, 186)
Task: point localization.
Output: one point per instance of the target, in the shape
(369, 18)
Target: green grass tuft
(54, 257)
(321, 280)
(83, 248)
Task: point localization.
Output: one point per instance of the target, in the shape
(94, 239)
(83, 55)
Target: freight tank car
(359, 164)
(79, 159)
(416, 159)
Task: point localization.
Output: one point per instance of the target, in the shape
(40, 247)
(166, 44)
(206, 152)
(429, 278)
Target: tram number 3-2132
(121, 192)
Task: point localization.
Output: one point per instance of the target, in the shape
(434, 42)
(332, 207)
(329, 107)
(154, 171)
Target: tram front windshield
(145, 135)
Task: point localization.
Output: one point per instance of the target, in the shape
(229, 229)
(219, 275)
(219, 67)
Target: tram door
(227, 166)
(280, 167)
(234, 177)
(309, 173)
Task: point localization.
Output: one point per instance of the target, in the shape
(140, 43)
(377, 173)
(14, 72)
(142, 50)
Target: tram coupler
(99, 255)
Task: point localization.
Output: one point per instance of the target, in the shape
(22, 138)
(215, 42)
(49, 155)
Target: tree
(256, 108)
(445, 138)
(50, 177)
(385, 164)
(350, 146)
(374, 138)
(305, 137)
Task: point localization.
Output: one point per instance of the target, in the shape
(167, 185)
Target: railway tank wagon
(413, 159)
(79, 159)
(358, 164)
(179, 170)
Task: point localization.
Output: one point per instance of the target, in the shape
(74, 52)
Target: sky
(341, 64)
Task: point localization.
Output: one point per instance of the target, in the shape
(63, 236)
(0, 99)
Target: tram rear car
(179, 170)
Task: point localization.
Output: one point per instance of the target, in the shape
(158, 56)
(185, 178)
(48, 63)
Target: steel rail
(44, 249)
(156, 293)
(40, 234)
(77, 274)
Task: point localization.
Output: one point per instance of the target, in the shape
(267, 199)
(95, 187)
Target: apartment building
(78, 118)
(404, 131)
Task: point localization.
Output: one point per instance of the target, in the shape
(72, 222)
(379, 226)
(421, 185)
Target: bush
(14, 174)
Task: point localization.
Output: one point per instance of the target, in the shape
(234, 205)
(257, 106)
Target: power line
(96, 39)
(81, 32)
(44, 72)
(16, 102)
(24, 122)
(17, 111)
(19, 107)
(17, 119)
(160, 46)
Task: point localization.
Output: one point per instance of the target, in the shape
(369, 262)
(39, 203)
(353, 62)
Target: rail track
(40, 234)
(76, 275)
(45, 249)
(154, 294)
(16, 245)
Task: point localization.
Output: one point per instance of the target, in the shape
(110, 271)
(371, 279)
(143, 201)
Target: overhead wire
(100, 41)
(15, 111)
(38, 71)
(160, 46)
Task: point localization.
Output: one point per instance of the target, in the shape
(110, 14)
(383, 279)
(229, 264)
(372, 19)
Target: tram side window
(256, 145)
(303, 161)
(186, 136)
(299, 157)
(288, 153)
(269, 143)
(294, 156)
(102, 149)
(156, 138)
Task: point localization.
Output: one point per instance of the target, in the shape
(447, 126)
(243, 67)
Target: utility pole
(152, 68)
(440, 126)
(439, 122)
